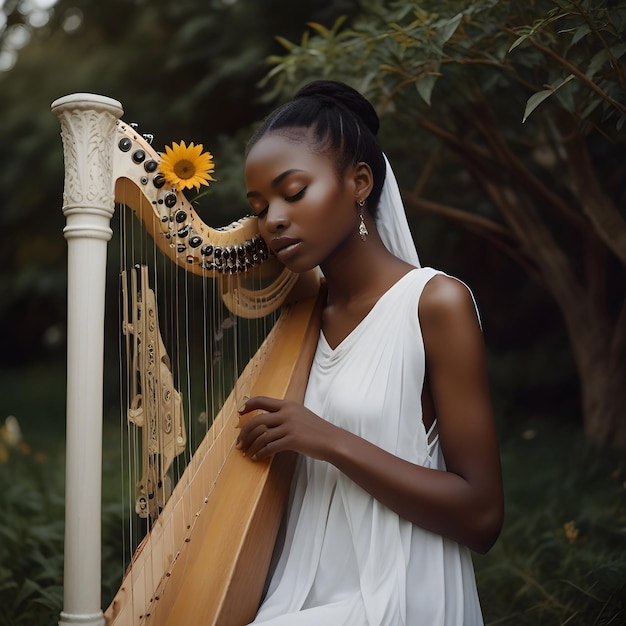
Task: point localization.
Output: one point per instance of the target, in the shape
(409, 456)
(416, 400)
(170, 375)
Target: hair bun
(330, 92)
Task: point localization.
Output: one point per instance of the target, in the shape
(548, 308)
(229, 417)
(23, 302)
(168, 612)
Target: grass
(561, 558)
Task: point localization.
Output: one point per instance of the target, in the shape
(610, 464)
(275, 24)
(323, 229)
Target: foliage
(32, 529)
(585, 44)
(451, 68)
(560, 557)
(517, 109)
(568, 49)
(31, 539)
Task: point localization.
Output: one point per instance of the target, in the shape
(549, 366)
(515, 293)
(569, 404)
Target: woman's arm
(464, 503)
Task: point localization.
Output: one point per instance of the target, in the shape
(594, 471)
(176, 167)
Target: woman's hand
(282, 425)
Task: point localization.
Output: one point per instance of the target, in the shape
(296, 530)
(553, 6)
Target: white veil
(393, 226)
(391, 221)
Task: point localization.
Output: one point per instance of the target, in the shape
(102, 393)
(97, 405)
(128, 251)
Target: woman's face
(306, 210)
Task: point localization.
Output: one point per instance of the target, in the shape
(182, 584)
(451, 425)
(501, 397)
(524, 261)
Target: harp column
(88, 132)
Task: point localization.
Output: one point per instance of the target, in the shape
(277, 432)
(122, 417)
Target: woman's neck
(361, 270)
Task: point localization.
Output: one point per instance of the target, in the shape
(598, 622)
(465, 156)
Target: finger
(266, 451)
(262, 403)
(249, 434)
(259, 409)
(261, 442)
(261, 420)
(258, 426)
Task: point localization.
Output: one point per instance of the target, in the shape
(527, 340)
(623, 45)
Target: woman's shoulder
(446, 300)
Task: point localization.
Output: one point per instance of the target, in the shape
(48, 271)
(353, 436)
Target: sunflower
(186, 166)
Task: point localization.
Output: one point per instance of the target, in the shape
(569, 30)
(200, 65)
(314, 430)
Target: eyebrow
(275, 182)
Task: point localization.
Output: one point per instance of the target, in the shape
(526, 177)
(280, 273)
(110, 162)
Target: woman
(399, 474)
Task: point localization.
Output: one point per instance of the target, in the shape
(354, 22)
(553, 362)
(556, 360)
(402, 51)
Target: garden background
(505, 123)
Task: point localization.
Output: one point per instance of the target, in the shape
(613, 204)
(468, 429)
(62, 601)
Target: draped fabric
(391, 221)
(348, 559)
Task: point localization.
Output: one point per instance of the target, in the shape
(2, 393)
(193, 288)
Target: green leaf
(449, 28)
(285, 43)
(581, 32)
(425, 87)
(597, 61)
(322, 30)
(536, 99)
(602, 56)
(593, 104)
(51, 598)
(521, 39)
(29, 588)
(327, 33)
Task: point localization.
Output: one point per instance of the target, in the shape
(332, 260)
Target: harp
(208, 550)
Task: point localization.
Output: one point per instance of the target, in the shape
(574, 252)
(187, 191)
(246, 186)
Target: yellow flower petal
(186, 166)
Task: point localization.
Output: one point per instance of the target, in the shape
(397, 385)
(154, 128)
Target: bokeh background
(504, 121)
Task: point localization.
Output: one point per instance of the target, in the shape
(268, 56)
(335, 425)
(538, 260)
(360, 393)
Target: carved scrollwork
(155, 404)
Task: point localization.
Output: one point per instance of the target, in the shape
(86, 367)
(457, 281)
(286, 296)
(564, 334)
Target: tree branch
(572, 69)
(483, 227)
(539, 245)
(596, 204)
(518, 171)
(484, 122)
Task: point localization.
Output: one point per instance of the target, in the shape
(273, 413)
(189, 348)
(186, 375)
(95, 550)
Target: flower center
(184, 169)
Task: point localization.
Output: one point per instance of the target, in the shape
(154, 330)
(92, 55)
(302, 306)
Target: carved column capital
(87, 130)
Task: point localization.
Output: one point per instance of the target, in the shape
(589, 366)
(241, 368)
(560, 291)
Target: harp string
(123, 378)
(208, 348)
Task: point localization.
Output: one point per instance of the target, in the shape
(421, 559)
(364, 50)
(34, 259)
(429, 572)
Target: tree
(545, 180)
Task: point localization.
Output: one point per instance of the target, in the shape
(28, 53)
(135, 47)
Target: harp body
(206, 557)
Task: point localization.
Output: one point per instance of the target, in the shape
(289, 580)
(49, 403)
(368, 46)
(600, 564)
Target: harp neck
(170, 219)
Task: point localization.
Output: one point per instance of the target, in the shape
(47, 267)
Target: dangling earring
(363, 233)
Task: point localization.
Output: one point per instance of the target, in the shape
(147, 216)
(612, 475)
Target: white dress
(347, 559)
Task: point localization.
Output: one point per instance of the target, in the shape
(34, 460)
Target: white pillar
(88, 132)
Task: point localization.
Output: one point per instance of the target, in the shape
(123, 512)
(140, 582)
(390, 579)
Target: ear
(363, 181)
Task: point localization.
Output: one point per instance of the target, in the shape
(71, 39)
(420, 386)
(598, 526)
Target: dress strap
(432, 437)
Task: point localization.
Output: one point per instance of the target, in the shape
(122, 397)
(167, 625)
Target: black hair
(343, 122)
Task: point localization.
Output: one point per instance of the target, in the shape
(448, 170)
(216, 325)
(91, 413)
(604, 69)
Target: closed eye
(296, 196)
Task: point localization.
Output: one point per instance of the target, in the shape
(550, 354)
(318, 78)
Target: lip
(282, 246)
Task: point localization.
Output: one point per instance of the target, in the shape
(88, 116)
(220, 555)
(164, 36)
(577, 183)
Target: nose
(277, 217)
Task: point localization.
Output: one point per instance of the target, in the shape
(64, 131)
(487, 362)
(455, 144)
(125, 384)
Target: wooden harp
(207, 554)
